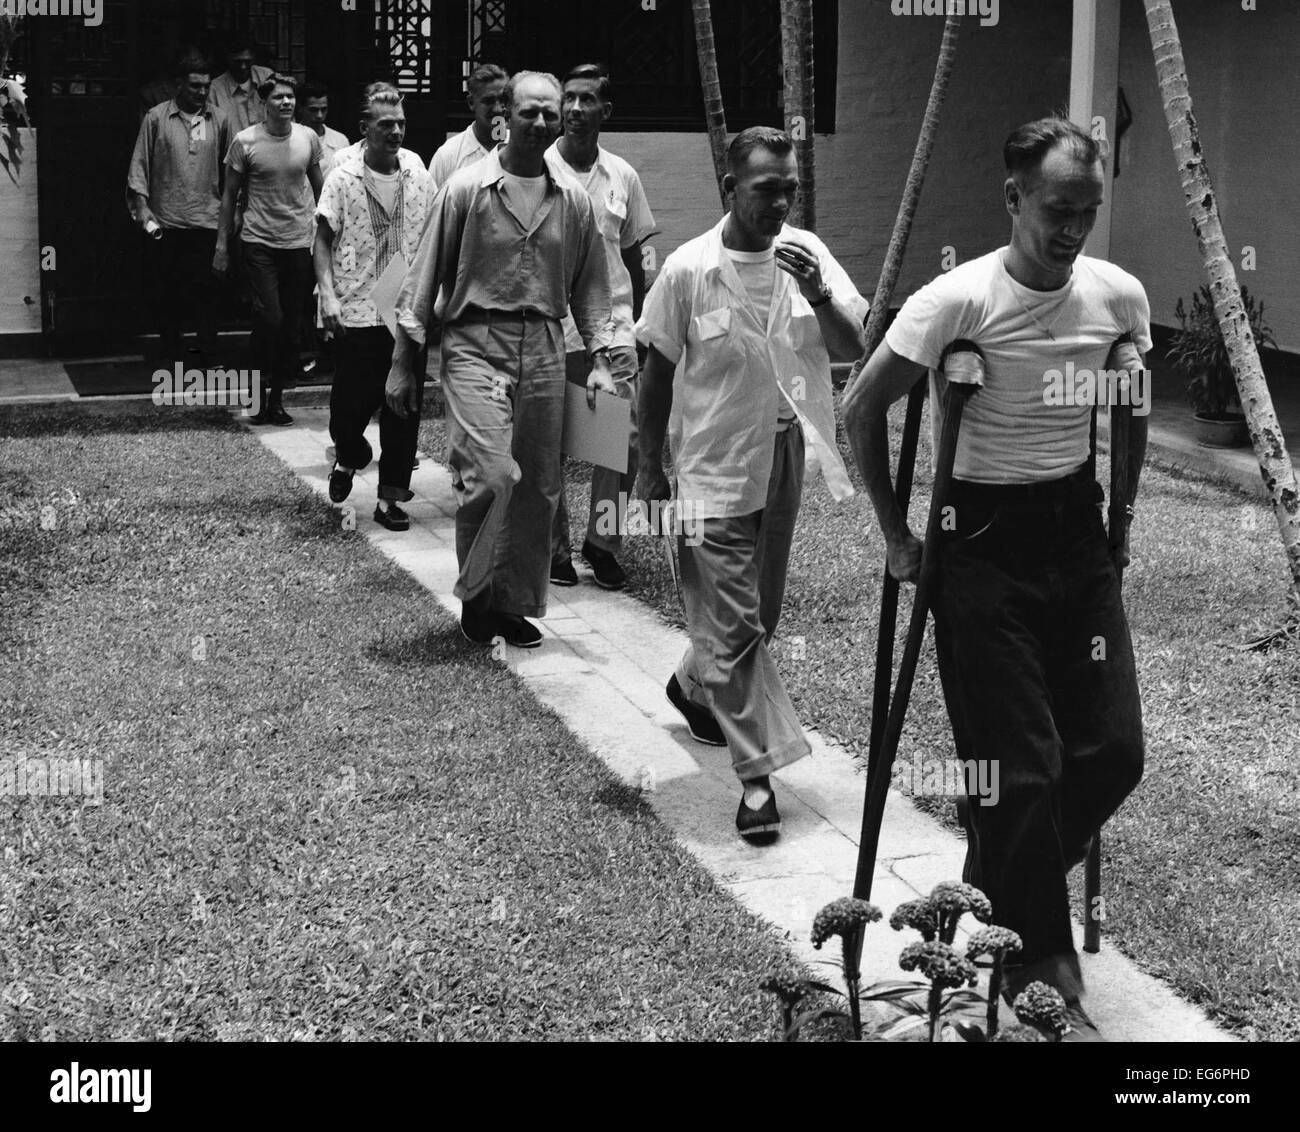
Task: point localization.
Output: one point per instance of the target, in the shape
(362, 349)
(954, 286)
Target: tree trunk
(911, 195)
(797, 65)
(1198, 190)
(8, 32)
(713, 112)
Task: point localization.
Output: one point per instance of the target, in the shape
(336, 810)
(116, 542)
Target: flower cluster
(951, 898)
(939, 963)
(918, 914)
(842, 917)
(993, 941)
(1042, 1007)
(789, 991)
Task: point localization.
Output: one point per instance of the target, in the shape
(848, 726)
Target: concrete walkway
(602, 669)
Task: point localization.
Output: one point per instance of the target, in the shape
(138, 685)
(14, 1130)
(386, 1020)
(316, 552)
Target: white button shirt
(733, 374)
(458, 152)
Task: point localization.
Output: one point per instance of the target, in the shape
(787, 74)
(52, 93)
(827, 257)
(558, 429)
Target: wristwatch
(824, 297)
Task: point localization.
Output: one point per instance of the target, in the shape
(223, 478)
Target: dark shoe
(704, 728)
(1082, 1028)
(278, 416)
(563, 573)
(970, 873)
(518, 632)
(261, 417)
(340, 483)
(415, 463)
(477, 621)
(761, 825)
(394, 518)
(609, 574)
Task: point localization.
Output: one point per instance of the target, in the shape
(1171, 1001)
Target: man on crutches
(1033, 646)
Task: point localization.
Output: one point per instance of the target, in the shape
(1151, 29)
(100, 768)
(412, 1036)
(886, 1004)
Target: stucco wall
(20, 276)
(1241, 70)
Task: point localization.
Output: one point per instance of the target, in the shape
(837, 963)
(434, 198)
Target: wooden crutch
(963, 367)
(1123, 356)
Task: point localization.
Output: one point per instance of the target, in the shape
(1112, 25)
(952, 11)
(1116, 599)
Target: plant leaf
(969, 1031)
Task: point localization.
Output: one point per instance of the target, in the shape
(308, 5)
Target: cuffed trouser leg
(732, 585)
(504, 387)
(1039, 679)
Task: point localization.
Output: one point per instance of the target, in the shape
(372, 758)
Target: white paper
(385, 291)
(598, 436)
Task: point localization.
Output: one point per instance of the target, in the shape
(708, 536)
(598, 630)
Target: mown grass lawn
(324, 815)
(1201, 873)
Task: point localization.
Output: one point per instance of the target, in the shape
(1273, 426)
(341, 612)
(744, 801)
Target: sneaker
(477, 621)
(609, 574)
(704, 728)
(1082, 1028)
(340, 483)
(563, 573)
(518, 632)
(761, 825)
(394, 518)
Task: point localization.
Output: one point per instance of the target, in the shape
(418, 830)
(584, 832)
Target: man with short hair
(624, 219)
(279, 161)
(1032, 642)
(372, 208)
(236, 92)
(508, 248)
(314, 109)
(174, 188)
(749, 316)
(485, 90)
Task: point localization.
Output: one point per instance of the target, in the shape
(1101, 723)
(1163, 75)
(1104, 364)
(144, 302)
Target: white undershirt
(525, 195)
(386, 188)
(757, 271)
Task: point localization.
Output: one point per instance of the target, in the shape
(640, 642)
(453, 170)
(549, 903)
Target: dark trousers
(364, 358)
(179, 265)
(277, 278)
(1038, 674)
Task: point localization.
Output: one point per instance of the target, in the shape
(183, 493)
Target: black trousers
(277, 279)
(182, 282)
(364, 358)
(1040, 683)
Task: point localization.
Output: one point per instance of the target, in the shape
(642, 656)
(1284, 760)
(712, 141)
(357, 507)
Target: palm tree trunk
(797, 65)
(713, 112)
(1198, 190)
(911, 195)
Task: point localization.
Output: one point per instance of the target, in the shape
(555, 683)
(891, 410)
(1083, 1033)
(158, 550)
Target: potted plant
(1199, 355)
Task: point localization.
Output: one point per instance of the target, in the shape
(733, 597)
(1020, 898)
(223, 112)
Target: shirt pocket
(714, 337)
(612, 217)
(805, 333)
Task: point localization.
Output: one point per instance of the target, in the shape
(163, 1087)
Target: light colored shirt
(177, 166)
(624, 219)
(476, 253)
(280, 200)
(242, 105)
(733, 373)
(525, 195)
(345, 207)
(458, 152)
(1009, 431)
(332, 144)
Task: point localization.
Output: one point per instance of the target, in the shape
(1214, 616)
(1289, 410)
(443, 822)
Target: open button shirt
(477, 254)
(178, 167)
(733, 374)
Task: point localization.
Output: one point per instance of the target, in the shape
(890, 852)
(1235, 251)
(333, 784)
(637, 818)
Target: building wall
(1240, 67)
(20, 276)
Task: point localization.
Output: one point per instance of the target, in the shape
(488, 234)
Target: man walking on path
(510, 246)
(624, 220)
(1033, 646)
(279, 161)
(372, 208)
(487, 84)
(751, 345)
(315, 109)
(174, 186)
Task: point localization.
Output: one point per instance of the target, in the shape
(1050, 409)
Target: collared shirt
(1012, 431)
(345, 206)
(177, 165)
(332, 144)
(624, 219)
(476, 246)
(459, 151)
(242, 105)
(733, 375)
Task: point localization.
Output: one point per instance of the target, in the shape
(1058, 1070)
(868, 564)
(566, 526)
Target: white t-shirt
(386, 187)
(1011, 432)
(525, 196)
(757, 271)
